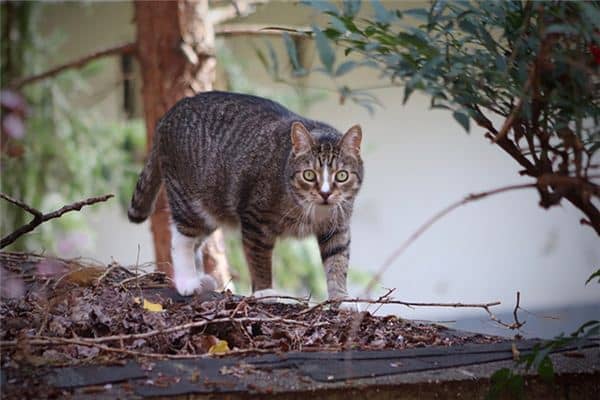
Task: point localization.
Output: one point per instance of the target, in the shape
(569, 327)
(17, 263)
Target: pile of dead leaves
(66, 312)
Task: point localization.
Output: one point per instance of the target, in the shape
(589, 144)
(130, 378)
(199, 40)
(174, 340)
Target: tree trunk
(175, 47)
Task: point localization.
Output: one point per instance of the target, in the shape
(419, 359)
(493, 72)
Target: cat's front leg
(186, 277)
(258, 243)
(335, 253)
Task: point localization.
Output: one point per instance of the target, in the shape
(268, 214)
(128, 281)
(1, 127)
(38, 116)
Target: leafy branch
(535, 64)
(509, 380)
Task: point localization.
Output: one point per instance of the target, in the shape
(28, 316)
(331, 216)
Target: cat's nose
(325, 195)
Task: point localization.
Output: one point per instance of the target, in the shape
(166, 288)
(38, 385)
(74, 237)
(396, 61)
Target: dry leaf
(221, 347)
(148, 305)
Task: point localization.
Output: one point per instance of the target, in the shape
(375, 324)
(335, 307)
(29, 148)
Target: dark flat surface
(92, 375)
(236, 374)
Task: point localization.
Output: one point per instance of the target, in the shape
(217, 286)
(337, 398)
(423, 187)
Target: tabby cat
(230, 159)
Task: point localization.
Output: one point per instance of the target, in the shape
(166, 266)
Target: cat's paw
(187, 285)
(229, 286)
(350, 306)
(266, 295)
(340, 304)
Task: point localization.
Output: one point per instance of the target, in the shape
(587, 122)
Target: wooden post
(175, 47)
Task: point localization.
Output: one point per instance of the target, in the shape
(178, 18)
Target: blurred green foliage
(68, 151)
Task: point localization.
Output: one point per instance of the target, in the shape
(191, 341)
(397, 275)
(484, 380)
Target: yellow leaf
(154, 307)
(221, 347)
(148, 305)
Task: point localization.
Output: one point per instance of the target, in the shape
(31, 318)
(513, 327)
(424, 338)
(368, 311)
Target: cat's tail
(146, 189)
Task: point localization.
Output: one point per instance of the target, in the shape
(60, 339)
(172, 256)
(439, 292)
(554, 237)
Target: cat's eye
(341, 176)
(309, 175)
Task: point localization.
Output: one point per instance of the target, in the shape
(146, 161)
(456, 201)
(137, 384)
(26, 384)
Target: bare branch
(57, 341)
(517, 108)
(516, 324)
(189, 325)
(127, 48)
(261, 30)
(39, 218)
(237, 8)
(436, 217)
(383, 300)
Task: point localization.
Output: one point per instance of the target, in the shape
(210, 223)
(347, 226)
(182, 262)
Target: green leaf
(585, 328)
(408, 91)
(321, 5)
(351, 7)
(332, 33)
(382, 15)
(505, 381)
(262, 58)
(561, 28)
(274, 66)
(290, 46)
(546, 369)
(467, 26)
(540, 354)
(590, 11)
(337, 24)
(595, 274)
(463, 119)
(345, 67)
(326, 54)
(421, 14)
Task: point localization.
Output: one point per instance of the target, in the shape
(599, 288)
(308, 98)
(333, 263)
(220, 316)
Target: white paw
(346, 305)
(186, 285)
(350, 306)
(270, 293)
(229, 286)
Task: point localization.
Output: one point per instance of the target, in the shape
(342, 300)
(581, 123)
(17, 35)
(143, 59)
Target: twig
(302, 300)
(68, 273)
(485, 306)
(261, 30)
(516, 110)
(516, 324)
(436, 217)
(385, 296)
(49, 340)
(237, 8)
(39, 218)
(126, 48)
(189, 325)
(138, 277)
(110, 269)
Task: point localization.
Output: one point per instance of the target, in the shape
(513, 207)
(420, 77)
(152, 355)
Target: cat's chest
(302, 223)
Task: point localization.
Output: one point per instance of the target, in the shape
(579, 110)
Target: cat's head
(325, 169)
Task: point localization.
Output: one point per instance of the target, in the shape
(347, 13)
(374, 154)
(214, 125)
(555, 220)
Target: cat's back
(214, 113)
(225, 102)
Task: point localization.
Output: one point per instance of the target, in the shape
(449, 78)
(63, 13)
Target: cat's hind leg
(185, 275)
(258, 243)
(190, 226)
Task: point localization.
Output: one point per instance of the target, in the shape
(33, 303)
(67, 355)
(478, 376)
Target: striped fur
(236, 160)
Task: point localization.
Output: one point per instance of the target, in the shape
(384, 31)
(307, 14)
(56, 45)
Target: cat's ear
(302, 140)
(351, 139)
